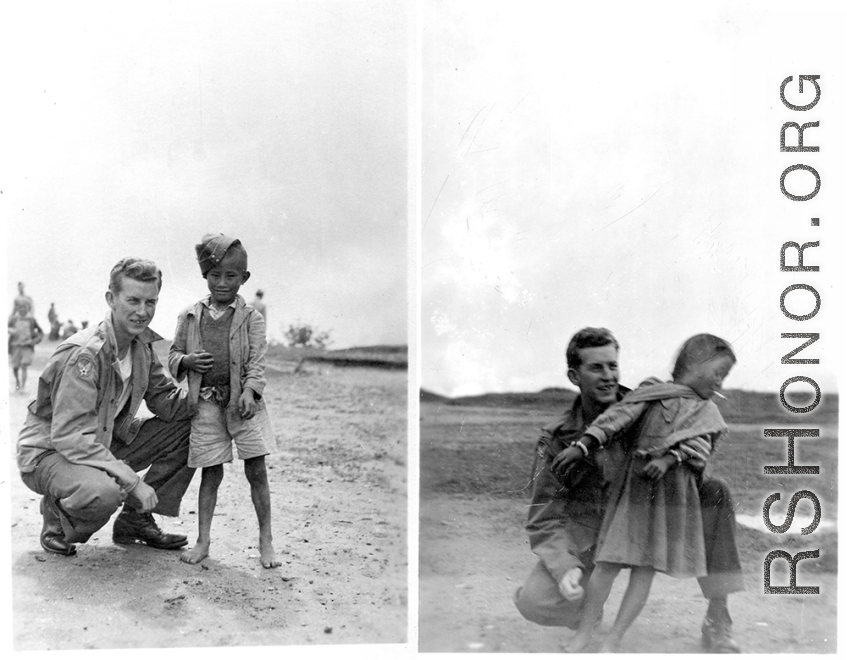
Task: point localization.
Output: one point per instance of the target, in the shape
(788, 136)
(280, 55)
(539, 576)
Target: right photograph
(629, 319)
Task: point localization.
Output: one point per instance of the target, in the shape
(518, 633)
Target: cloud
(284, 125)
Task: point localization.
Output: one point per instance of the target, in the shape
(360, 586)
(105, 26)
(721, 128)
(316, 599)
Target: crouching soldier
(81, 445)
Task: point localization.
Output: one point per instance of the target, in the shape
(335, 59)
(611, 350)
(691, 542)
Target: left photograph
(208, 329)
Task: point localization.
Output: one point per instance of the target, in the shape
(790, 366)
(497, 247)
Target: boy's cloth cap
(211, 250)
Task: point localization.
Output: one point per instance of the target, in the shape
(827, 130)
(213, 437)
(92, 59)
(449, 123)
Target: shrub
(303, 334)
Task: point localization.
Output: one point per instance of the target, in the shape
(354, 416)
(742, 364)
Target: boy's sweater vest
(214, 335)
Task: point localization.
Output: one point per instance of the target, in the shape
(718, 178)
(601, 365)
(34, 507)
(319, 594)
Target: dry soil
(475, 464)
(338, 489)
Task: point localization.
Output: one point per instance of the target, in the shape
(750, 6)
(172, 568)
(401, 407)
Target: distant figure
(22, 299)
(84, 325)
(55, 325)
(24, 334)
(258, 305)
(70, 329)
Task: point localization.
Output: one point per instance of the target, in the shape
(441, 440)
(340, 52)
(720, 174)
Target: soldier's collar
(572, 420)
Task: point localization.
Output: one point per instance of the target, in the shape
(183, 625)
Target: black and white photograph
(208, 222)
(631, 308)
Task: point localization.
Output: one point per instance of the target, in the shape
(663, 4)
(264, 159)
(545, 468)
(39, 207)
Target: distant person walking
(70, 329)
(24, 334)
(55, 325)
(22, 299)
(259, 305)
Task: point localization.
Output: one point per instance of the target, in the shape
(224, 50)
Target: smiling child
(220, 346)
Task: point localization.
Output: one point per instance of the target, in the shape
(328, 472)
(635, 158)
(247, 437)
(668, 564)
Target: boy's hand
(656, 468)
(247, 405)
(198, 361)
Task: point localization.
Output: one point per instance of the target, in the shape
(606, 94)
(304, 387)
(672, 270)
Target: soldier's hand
(570, 586)
(145, 499)
(566, 458)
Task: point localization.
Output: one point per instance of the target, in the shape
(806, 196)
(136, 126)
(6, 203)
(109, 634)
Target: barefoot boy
(220, 345)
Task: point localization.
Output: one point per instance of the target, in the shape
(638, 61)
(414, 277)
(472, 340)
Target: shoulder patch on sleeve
(85, 367)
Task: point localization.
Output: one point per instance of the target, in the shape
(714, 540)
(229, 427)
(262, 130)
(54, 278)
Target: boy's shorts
(21, 356)
(214, 429)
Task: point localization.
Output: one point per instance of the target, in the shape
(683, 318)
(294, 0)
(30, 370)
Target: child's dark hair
(700, 348)
(587, 338)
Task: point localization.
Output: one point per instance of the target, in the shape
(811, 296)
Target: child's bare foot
(267, 555)
(611, 644)
(197, 554)
(579, 641)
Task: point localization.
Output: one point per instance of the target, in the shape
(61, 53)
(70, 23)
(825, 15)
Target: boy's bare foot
(267, 555)
(197, 554)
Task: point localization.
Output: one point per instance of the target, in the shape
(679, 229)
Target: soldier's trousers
(540, 601)
(87, 497)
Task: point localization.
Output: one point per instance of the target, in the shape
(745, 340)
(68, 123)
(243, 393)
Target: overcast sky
(618, 165)
(138, 128)
(614, 165)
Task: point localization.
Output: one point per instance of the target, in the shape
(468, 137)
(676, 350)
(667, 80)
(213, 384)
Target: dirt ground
(338, 491)
(474, 554)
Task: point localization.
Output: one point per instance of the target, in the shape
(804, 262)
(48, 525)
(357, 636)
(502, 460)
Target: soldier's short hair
(587, 338)
(142, 270)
